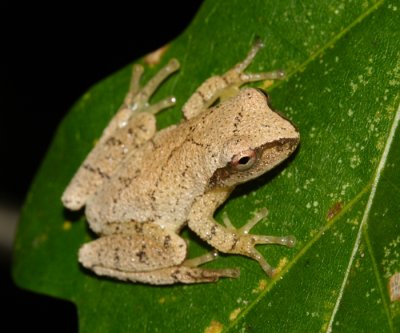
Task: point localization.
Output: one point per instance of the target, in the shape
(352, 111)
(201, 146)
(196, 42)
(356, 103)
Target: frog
(140, 186)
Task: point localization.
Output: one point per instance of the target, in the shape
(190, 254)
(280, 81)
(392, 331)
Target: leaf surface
(339, 195)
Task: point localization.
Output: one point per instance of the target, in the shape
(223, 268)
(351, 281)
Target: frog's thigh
(146, 253)
(133, 247)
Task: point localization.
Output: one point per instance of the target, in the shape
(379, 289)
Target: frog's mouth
(269, 155)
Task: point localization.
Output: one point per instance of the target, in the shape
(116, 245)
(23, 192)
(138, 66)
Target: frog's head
(261, 139)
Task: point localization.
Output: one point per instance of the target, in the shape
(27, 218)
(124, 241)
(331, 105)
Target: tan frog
(141, 187)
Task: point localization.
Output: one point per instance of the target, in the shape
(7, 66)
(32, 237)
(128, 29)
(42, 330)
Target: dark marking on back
(97, 170)
(112, 141)
(138, 228)
(196, 143)
(126, 181)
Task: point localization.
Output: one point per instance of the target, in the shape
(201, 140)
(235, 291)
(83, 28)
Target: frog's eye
(244, 160)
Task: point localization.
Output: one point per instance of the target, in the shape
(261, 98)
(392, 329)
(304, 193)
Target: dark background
(50, 55)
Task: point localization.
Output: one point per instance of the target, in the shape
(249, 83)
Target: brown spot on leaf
(334, 210)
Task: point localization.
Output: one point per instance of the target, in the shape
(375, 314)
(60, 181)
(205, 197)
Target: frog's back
(158, 184)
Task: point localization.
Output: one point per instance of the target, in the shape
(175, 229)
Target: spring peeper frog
(141, 187)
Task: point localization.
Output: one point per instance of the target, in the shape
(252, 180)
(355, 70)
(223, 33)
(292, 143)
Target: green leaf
(339, 195)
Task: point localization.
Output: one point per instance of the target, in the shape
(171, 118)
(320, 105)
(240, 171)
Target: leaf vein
(378, 281)
(364, 220)
(329, 44)
(303, 251)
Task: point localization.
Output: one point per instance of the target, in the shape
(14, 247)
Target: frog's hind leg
(137, 98)
(170, 275)
(132, 126)
(144, 252)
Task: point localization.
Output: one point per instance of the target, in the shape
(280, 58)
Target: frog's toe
(245, 242)
(163, 104)
(138, 97)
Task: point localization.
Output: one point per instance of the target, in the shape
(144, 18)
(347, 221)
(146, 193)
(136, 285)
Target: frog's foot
(186, 273)
(169, 275)
(210, 256)
(236, 77)
(198, 261)
(137, 98)
(245, 242)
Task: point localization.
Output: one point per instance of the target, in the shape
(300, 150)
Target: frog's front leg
(228, 239)
(132, 126)
(227, 85)
(144, 252)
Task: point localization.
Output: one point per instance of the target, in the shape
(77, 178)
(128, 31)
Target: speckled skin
(140, 187)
